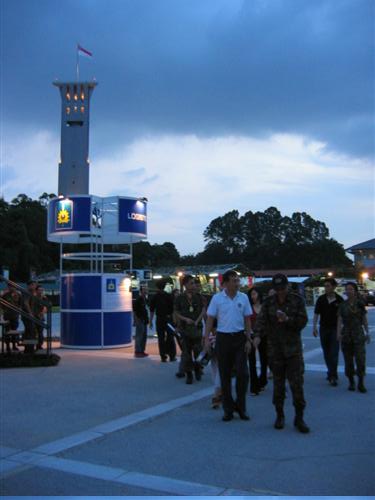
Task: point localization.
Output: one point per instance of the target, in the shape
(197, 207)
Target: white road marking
(147, 481)
(370, 370)
(119, 423)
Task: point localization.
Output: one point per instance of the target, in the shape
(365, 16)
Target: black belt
(231, 333)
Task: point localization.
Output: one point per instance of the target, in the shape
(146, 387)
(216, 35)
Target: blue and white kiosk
(96, 307)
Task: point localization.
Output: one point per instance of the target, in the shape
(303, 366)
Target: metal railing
(47, 324)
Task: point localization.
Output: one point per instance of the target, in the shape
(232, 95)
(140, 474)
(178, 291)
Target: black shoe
(242, 414)
(280, 420)
(198, 375)
(227, 417)
(361, 387)
(163, 359)
(301, 425)
(333, 382)
(173, 358)
(189, 377)
(254, 391)
(15, 348)
(180, 374)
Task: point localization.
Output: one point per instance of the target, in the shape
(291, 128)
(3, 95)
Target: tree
(269, 240)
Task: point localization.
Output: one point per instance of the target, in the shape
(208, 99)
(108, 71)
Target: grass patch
(22, 360)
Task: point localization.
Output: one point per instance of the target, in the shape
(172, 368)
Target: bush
(22, 360)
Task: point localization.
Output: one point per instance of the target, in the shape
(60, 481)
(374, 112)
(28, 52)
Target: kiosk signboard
(66, 215)
(132, 216)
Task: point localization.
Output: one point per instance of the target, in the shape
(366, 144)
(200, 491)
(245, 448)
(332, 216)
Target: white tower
(75, 118)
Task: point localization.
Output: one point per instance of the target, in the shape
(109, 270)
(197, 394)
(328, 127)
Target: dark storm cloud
(212, 67)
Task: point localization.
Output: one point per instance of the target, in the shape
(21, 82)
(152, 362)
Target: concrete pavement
(104, 423)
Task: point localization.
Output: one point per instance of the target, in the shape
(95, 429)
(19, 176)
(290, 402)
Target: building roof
(201, 269)
(266, 273)
(365, 245)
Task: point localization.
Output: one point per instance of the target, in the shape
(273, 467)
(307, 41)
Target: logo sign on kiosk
(111, 285)
(64, 214)
(132, 216)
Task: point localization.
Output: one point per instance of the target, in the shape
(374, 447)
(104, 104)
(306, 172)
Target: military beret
(279, 281)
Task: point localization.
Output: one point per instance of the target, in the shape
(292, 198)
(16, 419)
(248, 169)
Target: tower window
(74, 123)
(67, 110)
(67, 93)
(75, 97)
(82, 93)
(82, 109)
(75, 109)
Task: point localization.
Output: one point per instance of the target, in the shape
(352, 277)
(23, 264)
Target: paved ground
(104, 423)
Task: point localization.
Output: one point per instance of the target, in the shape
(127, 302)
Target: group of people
(233, 326)
(23, 305)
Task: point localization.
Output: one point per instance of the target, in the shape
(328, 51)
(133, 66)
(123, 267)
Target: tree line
(260, 240)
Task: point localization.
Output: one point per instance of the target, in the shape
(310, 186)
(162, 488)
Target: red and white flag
(83, 52)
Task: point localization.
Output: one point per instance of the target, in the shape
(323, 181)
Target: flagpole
(77, 64)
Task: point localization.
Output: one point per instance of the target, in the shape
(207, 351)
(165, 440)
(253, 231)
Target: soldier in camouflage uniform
(189, 311)
(282, 317)
(13, 297)
(351, 328)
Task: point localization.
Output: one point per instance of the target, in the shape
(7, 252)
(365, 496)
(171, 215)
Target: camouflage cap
(279, 281)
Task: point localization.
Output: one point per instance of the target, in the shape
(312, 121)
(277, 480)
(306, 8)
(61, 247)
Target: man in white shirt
(232, 310)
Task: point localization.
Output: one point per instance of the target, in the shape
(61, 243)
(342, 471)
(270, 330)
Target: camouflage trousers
(354, 351)
(191, 347)
(291, 368)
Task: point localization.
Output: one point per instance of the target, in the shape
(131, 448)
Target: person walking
(13, 297)
(189, 311)
(162, 305)
(232, 310)
(327, 307)
(141, 321)
(282, 317)
(353, 333)
(28, 306)
(257, 383)
(39, 312)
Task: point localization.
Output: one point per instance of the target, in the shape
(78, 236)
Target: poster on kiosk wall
(132, 216)
(116, 293)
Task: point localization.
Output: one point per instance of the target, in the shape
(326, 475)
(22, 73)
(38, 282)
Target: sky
(203, 106)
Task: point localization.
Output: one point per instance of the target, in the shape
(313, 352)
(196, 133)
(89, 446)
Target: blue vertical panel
(66, 215)
(132, 216)
(81, 329)
(117, 328)
(81, 292)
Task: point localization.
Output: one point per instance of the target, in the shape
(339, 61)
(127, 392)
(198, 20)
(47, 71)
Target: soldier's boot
(299, 423)
(280, 419)
(361, 386)
(189, 377)
(351, 386)
(197, 372)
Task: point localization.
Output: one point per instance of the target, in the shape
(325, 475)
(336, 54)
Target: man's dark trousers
(166, 341)
(230, 350)
(330, 346)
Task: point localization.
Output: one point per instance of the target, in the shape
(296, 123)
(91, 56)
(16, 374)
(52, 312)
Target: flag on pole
(83, 52)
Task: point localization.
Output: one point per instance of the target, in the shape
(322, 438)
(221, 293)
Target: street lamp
(364, 277)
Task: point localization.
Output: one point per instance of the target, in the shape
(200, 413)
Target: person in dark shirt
(28, 302)
(327, 307)
(162, 305)
(189, 310)
(141, 321)
(39, 311)
(13, 298)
